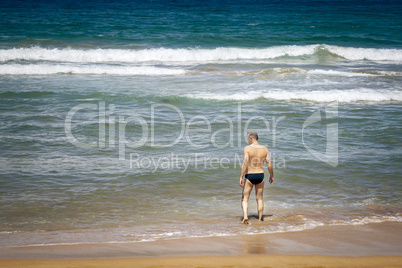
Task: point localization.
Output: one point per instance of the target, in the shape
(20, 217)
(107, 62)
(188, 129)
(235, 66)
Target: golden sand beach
(371, 245)
(221, 261)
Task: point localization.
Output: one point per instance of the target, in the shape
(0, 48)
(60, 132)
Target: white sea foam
(368, 220)
(272, 72)
(337, 73)
(193, 54)
(357, 95)
(373, 54)
(46, 69)
(156, 54)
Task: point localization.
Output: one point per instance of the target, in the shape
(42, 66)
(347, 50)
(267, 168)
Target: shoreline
(360, 245)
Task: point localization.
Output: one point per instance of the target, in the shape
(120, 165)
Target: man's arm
(270, 168)
(243, 166)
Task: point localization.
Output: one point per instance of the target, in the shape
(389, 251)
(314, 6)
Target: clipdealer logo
(112, 130)
(330, 156)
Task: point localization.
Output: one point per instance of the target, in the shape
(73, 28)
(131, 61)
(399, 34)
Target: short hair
(253, 135)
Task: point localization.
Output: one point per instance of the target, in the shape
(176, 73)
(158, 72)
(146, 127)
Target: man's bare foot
(245, 221)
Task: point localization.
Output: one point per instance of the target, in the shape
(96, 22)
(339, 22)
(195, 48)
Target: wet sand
(222, 261)
(371, 245)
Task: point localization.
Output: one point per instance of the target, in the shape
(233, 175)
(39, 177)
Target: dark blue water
(205, 24)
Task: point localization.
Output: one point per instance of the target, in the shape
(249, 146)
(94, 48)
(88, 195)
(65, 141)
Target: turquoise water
(125, 121)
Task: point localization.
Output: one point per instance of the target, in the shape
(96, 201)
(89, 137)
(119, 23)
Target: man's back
(256, 155)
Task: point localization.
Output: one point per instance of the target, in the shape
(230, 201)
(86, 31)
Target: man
(254, 156)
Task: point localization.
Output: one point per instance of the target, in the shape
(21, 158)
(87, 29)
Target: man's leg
(248, 186)
(259, 189)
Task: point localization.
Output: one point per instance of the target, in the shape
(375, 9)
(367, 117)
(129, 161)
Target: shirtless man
(254, 156)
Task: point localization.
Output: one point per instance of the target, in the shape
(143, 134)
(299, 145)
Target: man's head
(252, 136)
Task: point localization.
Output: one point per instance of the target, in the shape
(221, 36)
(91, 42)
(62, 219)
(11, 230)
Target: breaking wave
(196, 54)
(47, 69)
(356, 95)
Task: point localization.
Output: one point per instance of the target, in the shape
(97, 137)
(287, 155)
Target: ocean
(125, 121)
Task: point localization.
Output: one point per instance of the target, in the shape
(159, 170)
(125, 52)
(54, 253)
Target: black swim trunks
(255, 178)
